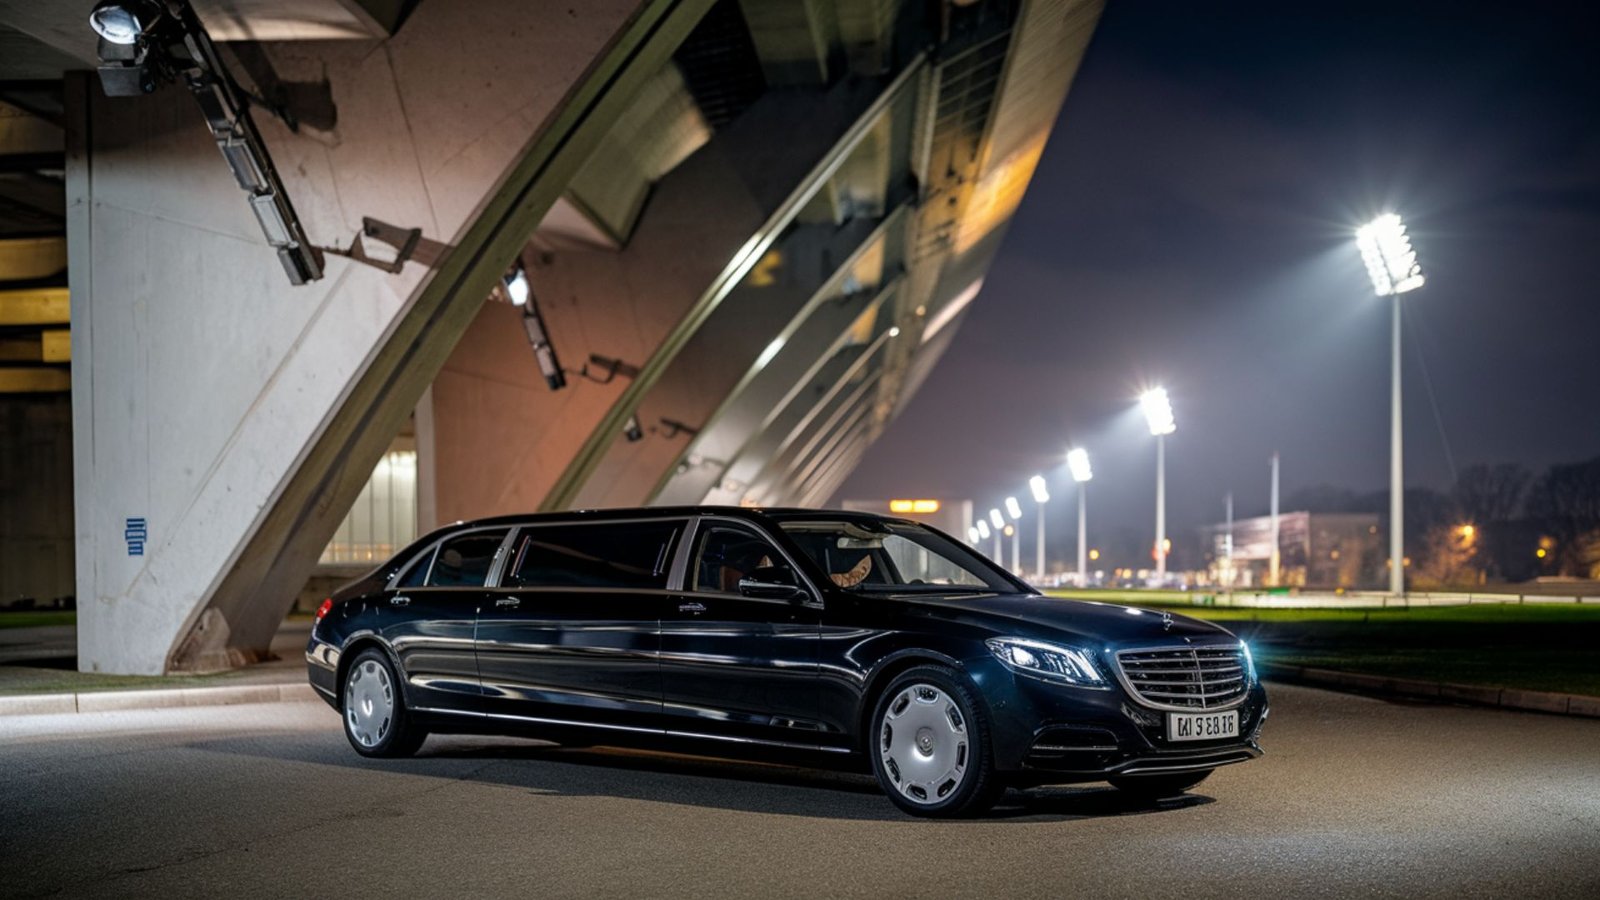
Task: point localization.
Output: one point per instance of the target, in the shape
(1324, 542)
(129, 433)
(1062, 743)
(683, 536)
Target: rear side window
(614, 555)
(465, 561)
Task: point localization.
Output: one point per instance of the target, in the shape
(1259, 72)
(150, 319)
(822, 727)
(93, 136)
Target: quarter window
(465, 561)
(614, 555)
(418, 571)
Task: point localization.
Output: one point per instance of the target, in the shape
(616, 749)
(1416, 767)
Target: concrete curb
(1475, 695)
(164, 698)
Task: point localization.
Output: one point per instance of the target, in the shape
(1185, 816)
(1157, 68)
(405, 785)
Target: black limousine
(875, 641)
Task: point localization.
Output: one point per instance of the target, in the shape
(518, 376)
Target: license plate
(1202, 726)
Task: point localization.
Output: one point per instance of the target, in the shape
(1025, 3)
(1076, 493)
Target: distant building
(949, 516)
(1326, 550)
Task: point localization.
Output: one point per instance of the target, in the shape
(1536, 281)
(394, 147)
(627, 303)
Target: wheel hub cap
(368, 703)
(923, 743)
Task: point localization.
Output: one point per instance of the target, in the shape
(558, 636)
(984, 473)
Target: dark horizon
(1191, 224)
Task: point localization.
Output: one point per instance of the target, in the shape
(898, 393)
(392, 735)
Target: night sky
(1191, 224)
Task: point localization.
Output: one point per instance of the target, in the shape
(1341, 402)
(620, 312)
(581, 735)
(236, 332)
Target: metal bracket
(409, 244)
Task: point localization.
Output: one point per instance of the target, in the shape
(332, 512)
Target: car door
(572, 632)
(734, 666)
(429, 614)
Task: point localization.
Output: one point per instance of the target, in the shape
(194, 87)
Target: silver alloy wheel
(369, 702)
(922, 739)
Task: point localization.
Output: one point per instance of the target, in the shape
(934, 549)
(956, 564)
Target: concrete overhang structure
(748, 229)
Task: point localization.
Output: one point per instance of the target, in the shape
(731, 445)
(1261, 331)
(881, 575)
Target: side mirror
(772, 583)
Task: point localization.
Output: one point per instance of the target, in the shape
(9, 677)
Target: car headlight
(1249, 662)
(1051, 662)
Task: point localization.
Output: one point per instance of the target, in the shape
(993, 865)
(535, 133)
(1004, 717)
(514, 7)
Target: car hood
(1044, 617)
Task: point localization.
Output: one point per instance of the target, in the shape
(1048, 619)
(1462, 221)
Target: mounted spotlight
(520, 293)
(147, 43)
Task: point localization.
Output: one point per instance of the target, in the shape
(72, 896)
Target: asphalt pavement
(1356, 796)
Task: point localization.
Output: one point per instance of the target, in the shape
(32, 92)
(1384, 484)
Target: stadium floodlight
(972, 534)
(1078, 464)
(983, 529)
(1394, 270)
(995, 518)
(1041, 493)
(1391, 263)
(1157, 408)
(1013, 508)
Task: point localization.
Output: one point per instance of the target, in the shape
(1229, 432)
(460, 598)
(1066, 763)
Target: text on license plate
(1202, 726)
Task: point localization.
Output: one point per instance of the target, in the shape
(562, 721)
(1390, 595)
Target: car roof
(753, 513)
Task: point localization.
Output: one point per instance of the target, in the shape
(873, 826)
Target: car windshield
(894, 556)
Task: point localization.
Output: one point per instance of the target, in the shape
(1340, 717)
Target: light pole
(1158, 413)
(1078, 465)
(1392, 265)
(1014, 510)
(983, 530)
(1041, 496)
(999, 523)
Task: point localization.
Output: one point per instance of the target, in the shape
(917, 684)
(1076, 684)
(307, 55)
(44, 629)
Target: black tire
(1158, 787)
(370, 727)
(965, 743)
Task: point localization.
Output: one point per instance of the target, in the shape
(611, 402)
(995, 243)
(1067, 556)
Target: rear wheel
(1158, 787)
(930, 745)
(375, 717)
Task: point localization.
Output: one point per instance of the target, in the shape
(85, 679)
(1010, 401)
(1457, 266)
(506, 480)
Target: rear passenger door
(428, 617)
(572, 633)
(732, 666)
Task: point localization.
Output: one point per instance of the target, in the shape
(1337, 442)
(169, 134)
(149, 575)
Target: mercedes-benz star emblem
(1166, 621)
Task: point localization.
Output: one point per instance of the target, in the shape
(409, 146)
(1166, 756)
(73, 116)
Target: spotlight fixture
(147, 43)
(516, 285)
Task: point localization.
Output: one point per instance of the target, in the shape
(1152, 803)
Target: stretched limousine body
(876, 641)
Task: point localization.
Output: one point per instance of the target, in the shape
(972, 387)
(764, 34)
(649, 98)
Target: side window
(417, 572)
(465, 561)
(619, 555)
(726, 554)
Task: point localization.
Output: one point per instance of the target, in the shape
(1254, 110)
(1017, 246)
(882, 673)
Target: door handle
(695, 608)
(399, 601)
(511, 602)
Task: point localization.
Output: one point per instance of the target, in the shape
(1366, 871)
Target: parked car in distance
(836, 636)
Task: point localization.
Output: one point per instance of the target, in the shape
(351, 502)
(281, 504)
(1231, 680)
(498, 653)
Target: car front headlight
(1051, 662)
(1249, 661)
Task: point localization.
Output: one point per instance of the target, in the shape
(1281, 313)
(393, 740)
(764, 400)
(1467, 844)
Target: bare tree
(1565, 501)
(1486, 494)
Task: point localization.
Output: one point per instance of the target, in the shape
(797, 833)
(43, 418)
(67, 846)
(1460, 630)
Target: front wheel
(1158, 787)
(376, 720)
(930, 745)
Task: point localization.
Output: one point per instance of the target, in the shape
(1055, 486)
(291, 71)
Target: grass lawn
(38, 618)
(1535, 647)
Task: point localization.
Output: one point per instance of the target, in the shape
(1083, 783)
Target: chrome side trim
(324, 691)
(632, 729)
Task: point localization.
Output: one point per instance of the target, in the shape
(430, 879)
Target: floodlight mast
(1392, 265)
(1157, 408)
(1041, 496)
(1078, 464)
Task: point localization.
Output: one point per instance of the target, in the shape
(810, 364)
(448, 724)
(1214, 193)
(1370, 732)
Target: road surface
(1356, 797)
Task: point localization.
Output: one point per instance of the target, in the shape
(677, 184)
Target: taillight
(324, 608)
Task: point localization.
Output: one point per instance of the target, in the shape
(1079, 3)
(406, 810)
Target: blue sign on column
(135, 532)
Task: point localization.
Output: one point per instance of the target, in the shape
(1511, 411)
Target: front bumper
(1047, 732)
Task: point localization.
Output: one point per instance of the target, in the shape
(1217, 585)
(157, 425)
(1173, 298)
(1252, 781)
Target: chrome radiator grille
(1184, 677)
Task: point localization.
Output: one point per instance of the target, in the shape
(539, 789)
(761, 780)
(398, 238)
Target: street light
(999, 523)
(1157, 408)
(1041, 496)
(1078, 465)
(1393, 267)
